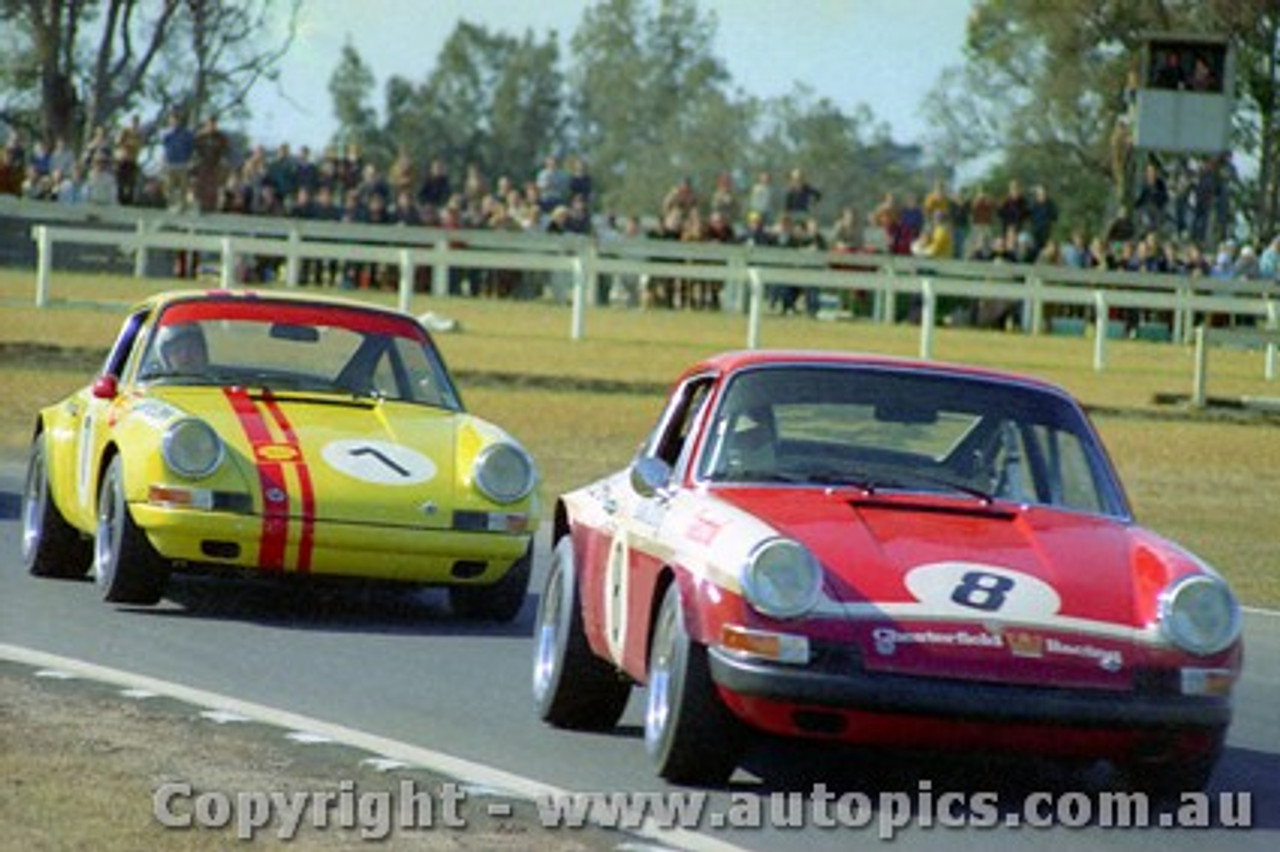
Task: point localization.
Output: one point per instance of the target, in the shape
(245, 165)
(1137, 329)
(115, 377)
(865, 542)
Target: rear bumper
(429, 556)
(962, 700)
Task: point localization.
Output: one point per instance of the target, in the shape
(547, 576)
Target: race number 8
(976, 588)
(980, 590)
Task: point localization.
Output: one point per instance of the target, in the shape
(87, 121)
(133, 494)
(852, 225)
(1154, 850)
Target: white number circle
(379, 462)
(976, 589)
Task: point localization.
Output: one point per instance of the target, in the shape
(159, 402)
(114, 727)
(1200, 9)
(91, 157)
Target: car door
(636, 554)
(85, 422)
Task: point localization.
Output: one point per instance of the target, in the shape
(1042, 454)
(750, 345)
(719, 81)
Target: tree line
(638, 91)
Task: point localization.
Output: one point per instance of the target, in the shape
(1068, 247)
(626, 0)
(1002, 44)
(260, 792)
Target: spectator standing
(762, 200)
(958, 211)
(212, 149)
(982, 215)
(724, 201)
(553, 185)
(402, 176)
(911, 223)
(1012, 212)
(580, 182)
(129, 143)
(935, 201)
(306, 172)
(1042, 216)
(99, 144)
(16, 153)
(436, 188)
(178, 145)
(101, 187)
(282, 172)
(1153, 198)
(61, 159)
(801, 199)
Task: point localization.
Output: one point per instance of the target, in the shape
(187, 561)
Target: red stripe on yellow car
(275, 493)
(306, 490)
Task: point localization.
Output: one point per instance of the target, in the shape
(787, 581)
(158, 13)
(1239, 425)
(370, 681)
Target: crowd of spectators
(1177, 221)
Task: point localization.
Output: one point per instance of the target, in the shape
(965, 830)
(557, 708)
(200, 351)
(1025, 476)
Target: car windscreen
(304, 348)
(915, 430)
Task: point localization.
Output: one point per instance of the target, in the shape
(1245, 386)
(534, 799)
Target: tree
(95, 60)
(491, 100)
(643, 81)
(351, 87)
(1013, 98)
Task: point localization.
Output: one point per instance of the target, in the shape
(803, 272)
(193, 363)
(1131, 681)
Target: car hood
(955, 587)
(338, 459)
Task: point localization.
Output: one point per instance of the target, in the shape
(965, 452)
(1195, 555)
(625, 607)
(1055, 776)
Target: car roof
(734, 361)
(265, 297)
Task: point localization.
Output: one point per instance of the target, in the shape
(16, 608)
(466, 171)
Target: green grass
(1205, 483)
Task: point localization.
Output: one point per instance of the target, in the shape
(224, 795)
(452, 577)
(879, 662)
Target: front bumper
(896, 694)
(428, 556)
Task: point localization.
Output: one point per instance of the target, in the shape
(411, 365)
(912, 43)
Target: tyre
(572, 687)
(51, 547)
(500, 601)
(127, 568)
(690, 735)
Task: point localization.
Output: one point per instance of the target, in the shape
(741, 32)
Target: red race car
(881, 551)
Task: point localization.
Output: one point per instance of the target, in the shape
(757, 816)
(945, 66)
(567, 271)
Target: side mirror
(650, 475)
(106, 387)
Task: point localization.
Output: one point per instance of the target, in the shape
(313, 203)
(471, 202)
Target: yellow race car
(283, 435)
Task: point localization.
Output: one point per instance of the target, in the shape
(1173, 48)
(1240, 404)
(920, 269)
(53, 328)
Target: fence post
(1035, 305)
(440, 269)
(292, 259)
(140, 250)
(1273, 324)
(587, 256)
(928, 313)
(1198, 394)
(1100, 324)
(44, 264)
(579, 297)
(406, 281)
(1182, 313)
(228, 276)
(755, 300)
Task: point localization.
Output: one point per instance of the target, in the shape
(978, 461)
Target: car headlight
(504, 473)
(1199, 614)
(191, 448)
(782, 579)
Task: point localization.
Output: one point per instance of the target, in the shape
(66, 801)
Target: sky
(887, 54)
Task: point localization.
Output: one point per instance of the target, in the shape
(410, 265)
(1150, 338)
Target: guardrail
(745, 271)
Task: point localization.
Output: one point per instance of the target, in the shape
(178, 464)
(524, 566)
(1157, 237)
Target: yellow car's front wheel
(127, 568)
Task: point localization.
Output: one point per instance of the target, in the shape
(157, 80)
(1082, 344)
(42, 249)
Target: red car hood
(954, 587)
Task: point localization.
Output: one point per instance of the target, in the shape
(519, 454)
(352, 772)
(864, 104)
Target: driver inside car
(182, 348)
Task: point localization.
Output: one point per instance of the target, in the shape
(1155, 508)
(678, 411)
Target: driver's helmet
(182, 346)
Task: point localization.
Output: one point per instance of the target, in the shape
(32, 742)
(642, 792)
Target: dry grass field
(582, 406)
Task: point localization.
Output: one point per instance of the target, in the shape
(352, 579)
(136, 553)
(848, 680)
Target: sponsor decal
(704, 529)
(277, 453)
(1109, 659)
(888, 639)
(1024, 644)
(1020, 643)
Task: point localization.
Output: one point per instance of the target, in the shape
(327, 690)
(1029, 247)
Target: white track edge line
(456, 767)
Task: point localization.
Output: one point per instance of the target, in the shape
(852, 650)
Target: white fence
(745, 271)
